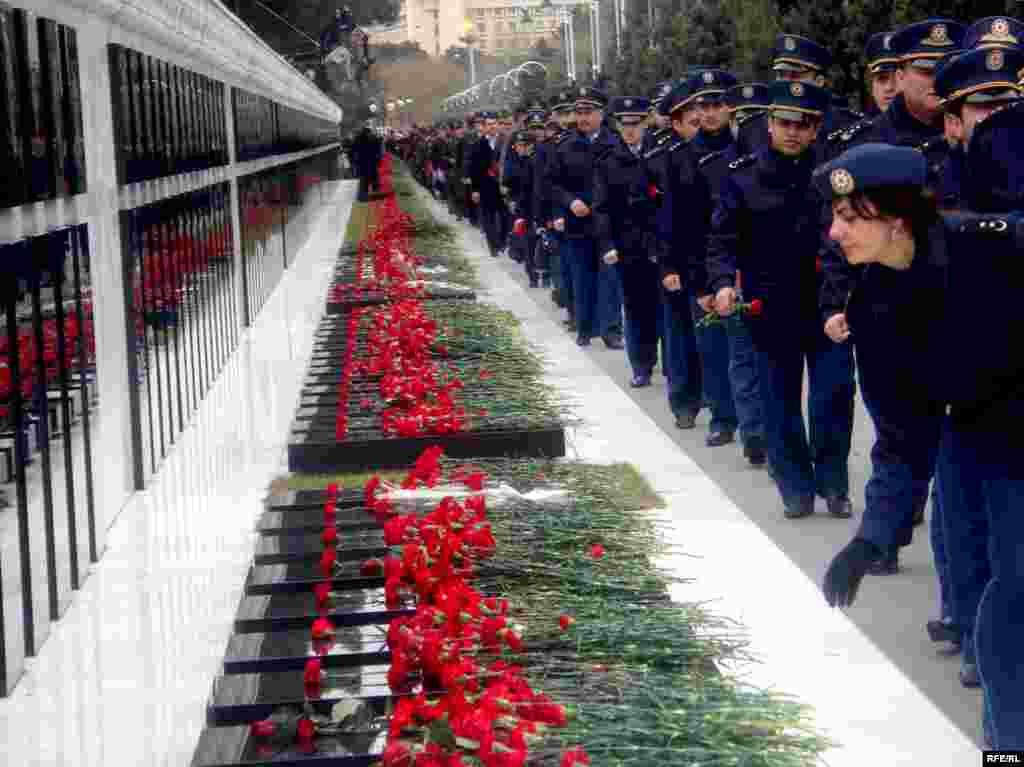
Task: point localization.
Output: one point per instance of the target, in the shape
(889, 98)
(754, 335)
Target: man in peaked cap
(624, 214)
(915, 117)
(570, 176)
(995, 32)
(767, 198)
(797, 58)
(485, 189)
(972, 85)
(882, 64)
(707, 93)
(682, 219)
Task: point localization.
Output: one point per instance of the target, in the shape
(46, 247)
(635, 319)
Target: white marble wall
(204, 37)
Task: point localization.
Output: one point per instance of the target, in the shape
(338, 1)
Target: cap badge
(709, 77)
(995, 60)
(748, 91)
(628, 103)
(842, 181)
(999, 32)
(887, 42)
(789, 43)
(797, 89)
(938, 35)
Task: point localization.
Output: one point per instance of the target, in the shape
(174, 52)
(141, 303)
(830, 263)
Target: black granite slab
(246, 698)
(295, 612)
(233, 747)
(289, 650)
(353, 545)
(315, 499)
(318, 450)
(299, 577)
(300, 521)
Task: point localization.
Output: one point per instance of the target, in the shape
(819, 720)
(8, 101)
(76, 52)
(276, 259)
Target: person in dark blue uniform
(974, 85)
(570, 175)
(707, 92)
(914, 118)
(624, 216)
(519, 183)
(932, 269)
(882, 64)
(485, 191)
(768, 223)
(562, 111)
(681, 228)
(746, 102)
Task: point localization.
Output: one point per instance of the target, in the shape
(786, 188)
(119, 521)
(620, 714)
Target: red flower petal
(597, 551)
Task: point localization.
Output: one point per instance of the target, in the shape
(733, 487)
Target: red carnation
(323, 593)
(653, 192)
(307, 730)
(597, 551)
(263, 729)
(475, 481)
(372, 567)
(756, 307)
(313, 671)
(575, 756)
(565, 621)
(330, 536)
(396, 754)
(322, 629)
(327, 560)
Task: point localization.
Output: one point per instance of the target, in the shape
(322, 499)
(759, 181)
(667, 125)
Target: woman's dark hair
(916, 205)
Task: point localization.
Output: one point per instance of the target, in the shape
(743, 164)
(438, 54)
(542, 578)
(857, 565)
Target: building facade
(496, 26)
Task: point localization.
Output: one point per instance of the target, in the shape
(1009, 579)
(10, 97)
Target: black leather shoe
(754, 452)
(612, 342)
(570, 325)
(686, 420)
(582, 341)
(534, 283)
(839, 506)
(639, 382)
(943, 631)
(719, 438)
(887, 564)
(969, 675)
(802, 507)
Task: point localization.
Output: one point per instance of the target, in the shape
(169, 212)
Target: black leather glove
(843, 577)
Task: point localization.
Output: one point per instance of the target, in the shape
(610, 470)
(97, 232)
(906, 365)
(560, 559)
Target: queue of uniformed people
(768, 245)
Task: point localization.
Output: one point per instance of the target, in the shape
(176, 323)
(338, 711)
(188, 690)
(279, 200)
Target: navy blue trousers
(597, 294)
(983, 519)
(641, 288)
(745, 379)
(907, 432)
(713, 349)
(679, 345)
(804, 467)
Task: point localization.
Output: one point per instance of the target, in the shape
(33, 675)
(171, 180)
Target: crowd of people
(756, 232)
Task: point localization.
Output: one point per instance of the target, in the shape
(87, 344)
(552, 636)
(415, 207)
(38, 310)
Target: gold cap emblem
(797, 89)
(789, 44)
(748, 91)
(842, 181)
(938, 35)
(999, 32)
(1000, 27)
(995, 60)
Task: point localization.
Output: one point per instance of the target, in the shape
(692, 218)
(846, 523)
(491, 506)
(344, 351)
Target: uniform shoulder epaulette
(709, 157)
(849, 132)
(677, 146)
(742, 162)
